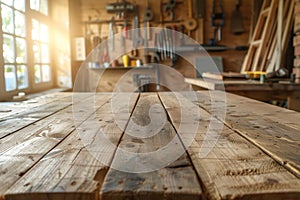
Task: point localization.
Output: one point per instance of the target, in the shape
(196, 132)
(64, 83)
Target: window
(25, 45)
(14, 44)
(40, 6)
(42, 72)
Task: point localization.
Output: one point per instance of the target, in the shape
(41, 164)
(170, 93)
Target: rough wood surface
(276, 136)
(233, 168)
(175, 181)
(13, 108)
(27, 154)
(66, 154)
(34, 110)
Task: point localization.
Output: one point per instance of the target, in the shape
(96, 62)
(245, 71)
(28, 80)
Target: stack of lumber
(296, 69)
(264, 50)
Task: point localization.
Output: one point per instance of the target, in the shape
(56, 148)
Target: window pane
(8, 49)
(7, 19)
(10, 78)
(35, 30)
(37, 74)
(22, 76)
(8, 2)
(45, 53)
(36, 52)
(44, 7)
(46, 73)
(35, 4)
(20, 24)
(20, 5)
(21, 50)
(44, 33)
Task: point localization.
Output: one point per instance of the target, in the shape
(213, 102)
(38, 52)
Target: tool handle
(219, 33)
(237, 4)
(190, 6)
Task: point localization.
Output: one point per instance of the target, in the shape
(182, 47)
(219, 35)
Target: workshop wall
(232, 59)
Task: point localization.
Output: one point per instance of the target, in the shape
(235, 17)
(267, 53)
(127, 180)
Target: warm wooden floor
(48, 148)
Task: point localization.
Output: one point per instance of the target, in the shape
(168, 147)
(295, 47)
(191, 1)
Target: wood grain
(251, 154)
(176, 181)
(37, 109)
(35, 143)
(276, 136)
(234, 168)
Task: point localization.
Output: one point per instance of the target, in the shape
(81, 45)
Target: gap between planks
(240, 122)
(235, 168)
(25, 173)
(167, 182)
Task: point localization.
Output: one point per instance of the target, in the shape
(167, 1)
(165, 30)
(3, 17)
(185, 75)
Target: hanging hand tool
(111, 35)
(145, 38)
(136, 34)
(163, 40)
(236, 20)
(148, 15)
(191, 23)
(170, 7)
(173, 35)
(217, 19)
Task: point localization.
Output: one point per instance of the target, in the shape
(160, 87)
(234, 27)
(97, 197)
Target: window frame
(32, 86)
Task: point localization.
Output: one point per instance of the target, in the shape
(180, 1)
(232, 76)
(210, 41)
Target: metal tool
(169, 7)
(217, 19)
(163, 40)
(111, 35)
(136, 39)
(148, 15)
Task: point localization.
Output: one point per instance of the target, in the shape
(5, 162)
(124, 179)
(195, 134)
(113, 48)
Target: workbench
(267, 91)
(49, 147)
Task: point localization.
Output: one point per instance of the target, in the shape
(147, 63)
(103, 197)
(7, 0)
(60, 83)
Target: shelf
(126, 68)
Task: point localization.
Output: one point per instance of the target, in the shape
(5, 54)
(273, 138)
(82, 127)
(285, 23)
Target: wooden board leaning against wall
(96, 10)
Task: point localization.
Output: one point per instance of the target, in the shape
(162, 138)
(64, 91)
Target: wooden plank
(288, 20)
(270, 133)
(34, 142)
(201, 83)
(75, 170)
(175, 181)
(242, 106)
(33, 145)
(223, 75)
(25, 106)
(233, 168)
(39, 108)
(243, 85)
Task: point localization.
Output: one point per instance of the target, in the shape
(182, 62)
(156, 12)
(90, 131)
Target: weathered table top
(52, 147)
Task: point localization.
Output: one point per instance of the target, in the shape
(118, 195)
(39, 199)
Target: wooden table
(256, 155)
(283, 90)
